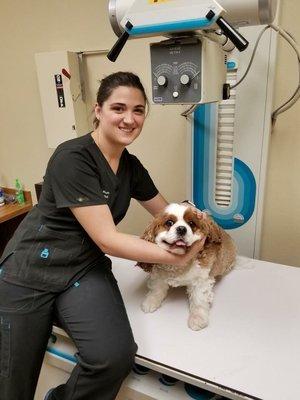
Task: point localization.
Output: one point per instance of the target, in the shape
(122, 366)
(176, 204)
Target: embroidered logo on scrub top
(45, 253)
(82, 199)
(105, 193)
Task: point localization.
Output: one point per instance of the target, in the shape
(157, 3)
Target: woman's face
(122, 115)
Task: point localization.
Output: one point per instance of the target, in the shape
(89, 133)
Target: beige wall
(281, 223)
(32, 26)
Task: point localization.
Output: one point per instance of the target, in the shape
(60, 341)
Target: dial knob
(162, 81)
(185, 79)
(175, 95)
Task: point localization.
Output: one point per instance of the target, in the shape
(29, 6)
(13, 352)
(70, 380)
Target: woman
(55, 265)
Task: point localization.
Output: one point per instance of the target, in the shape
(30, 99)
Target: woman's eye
(118, 109)
(140, 112)
(169, 223)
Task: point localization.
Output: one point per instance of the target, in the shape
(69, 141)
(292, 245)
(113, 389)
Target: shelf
(9, 211)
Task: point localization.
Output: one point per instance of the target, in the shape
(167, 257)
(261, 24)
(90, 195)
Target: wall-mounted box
(64, 109)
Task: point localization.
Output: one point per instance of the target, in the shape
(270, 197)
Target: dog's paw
(174, 282)
(150, 304)
(197, 321)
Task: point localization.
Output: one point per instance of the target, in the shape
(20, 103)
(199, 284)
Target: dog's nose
(181, 230)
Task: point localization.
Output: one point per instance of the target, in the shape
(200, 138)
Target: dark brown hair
(113, 81)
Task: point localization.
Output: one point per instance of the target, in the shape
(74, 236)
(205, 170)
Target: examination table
(250, 350)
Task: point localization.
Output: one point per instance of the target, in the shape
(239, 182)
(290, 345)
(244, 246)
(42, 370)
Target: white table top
(252, 343)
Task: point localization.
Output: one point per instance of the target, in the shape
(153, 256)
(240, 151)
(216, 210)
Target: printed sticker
(60, 91)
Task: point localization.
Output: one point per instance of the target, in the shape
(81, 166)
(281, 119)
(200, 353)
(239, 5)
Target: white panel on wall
(64, 110)
(230, 146)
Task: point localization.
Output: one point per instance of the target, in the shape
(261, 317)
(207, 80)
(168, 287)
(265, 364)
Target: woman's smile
(126, 130)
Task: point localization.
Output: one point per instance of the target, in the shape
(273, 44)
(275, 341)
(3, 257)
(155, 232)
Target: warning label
(60, 91)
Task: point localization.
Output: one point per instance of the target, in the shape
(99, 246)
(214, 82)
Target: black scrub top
(50, 249)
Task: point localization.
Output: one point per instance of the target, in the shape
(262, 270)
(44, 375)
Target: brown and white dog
(175, 230)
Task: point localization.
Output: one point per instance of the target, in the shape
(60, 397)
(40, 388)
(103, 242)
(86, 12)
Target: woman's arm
(98, 223)
(155, 205)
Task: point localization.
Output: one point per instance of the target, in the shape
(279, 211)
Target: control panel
(176, 71)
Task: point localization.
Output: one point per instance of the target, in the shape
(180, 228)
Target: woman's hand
(199, 214)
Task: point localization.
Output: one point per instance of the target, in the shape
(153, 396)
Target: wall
(281, 223)
(35, 26)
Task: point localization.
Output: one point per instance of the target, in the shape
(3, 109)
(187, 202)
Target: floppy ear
(148, 235)
(147, 267)
(149, 232)
(214, 231)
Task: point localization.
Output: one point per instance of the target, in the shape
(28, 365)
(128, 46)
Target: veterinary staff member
(55, 265)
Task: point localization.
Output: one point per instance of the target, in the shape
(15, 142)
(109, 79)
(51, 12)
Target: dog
(175, 229)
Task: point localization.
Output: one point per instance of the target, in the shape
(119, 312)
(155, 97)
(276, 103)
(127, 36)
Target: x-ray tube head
(238, 12)
(146, 18)
(189, 67)
(250, 12)
(117, 9)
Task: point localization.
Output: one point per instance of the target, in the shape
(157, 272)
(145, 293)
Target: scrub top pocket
(45, 259)
(48, 258)
(43, 256)
(47, 263)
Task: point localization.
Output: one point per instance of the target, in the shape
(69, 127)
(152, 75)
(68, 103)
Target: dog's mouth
(179, 243)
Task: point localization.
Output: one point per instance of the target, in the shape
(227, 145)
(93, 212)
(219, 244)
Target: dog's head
(177, 228)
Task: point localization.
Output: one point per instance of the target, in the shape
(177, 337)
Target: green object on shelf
(19, 192)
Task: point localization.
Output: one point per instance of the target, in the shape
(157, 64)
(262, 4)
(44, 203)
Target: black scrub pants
(91, 312)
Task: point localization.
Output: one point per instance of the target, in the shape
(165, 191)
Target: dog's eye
(169, 223)
(192, 224)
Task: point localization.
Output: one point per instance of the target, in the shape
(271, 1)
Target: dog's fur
(176, 229)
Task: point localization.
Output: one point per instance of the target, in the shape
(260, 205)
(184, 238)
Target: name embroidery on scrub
(45, 253)
(105, 193)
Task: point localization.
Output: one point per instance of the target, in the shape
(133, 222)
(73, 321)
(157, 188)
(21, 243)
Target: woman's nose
(128, 118)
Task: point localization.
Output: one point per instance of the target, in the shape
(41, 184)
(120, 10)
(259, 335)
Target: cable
(192, 108)
(251, 59)
(189, 111)
(288, 104)
(296, 95)
(293, 98)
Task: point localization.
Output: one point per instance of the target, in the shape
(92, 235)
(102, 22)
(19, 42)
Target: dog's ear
(149, 232)
(214, 231)
(149, 236)
(147, 267)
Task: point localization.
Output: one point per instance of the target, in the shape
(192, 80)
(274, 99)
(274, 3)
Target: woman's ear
(97, 110)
